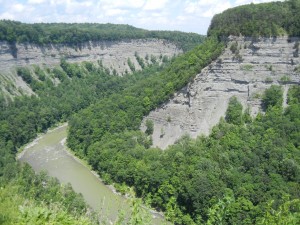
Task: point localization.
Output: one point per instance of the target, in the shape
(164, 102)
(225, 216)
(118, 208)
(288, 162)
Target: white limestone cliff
(255, 66)
(113, 54)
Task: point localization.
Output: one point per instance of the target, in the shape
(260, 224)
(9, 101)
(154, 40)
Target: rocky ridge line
(113, 54)
(246, 68)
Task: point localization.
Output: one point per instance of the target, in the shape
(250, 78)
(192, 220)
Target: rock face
(245, 69)
(113, 54)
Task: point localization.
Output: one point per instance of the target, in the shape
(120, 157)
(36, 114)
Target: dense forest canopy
(27, 198)
(76, 33)
(240, 174)
(247, 171)
(128, 98)
(254, 20)
(139, 98)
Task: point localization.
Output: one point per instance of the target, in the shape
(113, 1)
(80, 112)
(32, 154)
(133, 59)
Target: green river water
(49, 153)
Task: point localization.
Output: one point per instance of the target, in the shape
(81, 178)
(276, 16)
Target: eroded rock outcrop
(245, 69)
(113, 54)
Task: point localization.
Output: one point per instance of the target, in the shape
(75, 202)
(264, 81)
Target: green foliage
(31, 214)
(169, 119)
(125, 110)
(234, 113)
(247, 67)
(269, 67)
(40, 73)
(139, 215)
(153, 59)
(254, 20)
(35, 84)
(23, 118)
(25, 74)
(297, 69)
(149, 127)
(287, 212)
(268, 80)
(72, 70)
(272, 97)
(60, 74)
(131, 65)
(220, 211)
(75, 33)
(9, 202)
(294, 95)
(225, 178)
(234, 47)
(237, 57)
(285, 79)
(27, 198)
(140, 60)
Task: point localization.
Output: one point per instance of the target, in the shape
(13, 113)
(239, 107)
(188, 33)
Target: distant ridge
(74, 33)
(254, 20)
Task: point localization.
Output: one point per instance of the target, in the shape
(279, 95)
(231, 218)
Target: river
(48, 152)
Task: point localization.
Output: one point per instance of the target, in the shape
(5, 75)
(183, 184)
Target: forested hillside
(76, 33)
(122, 49)
(247, 171)
(124, 111)
(80, 86)
(62, 90)
(238, 175)
(254, 20)
(22, 119)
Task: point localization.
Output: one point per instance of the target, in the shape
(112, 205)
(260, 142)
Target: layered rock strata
(245, 69)
(113, 54)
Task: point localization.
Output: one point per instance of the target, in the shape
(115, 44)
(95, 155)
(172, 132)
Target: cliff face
(113, 54)
(245, 69)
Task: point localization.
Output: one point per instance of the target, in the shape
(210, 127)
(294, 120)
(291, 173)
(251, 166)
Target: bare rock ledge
(113, 54)
(199, 106)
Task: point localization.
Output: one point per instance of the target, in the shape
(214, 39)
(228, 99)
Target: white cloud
(185, 15)
(134, 4)
(217, 9)
(7, 16)
(18, 7)
(121, 19)
(241, 2)
(36, 1)
(59, 2)
(155, 4)
(203, 8)
(115, 12)
(74, 7)
(209, 3)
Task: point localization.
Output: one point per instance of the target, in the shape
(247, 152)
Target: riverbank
(48, 151)
(127, 196)
(22, 150)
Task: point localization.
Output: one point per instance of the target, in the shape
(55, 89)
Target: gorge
(113, 55)
(246, 68)
(208, 136)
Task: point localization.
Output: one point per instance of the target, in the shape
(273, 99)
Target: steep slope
(261, 51)
(258, 20)
(121, 49)
(245, 69)
(76, 33)
(114, 55)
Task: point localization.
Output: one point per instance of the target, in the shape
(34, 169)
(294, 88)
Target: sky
(182, 15)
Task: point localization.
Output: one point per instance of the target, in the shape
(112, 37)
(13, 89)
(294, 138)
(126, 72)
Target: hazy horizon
(181, 15)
